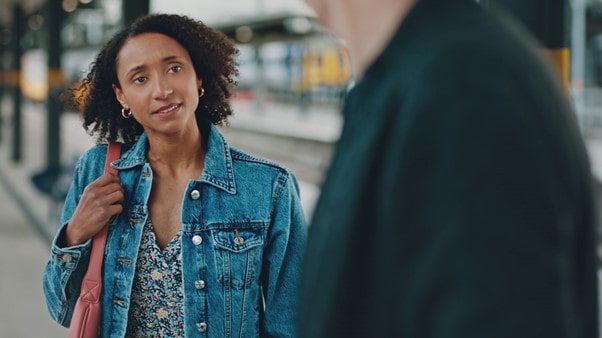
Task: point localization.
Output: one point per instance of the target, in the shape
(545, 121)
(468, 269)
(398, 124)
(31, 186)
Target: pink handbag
(86, 315)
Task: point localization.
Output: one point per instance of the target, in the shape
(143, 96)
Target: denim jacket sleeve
(282, 261)
(67, 265)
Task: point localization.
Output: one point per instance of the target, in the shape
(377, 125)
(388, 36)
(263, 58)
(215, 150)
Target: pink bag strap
(94, 272)
(113, 154)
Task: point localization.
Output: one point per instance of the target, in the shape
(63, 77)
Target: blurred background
(293, 79)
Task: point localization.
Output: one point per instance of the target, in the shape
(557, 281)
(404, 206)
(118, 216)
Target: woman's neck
(176, 155)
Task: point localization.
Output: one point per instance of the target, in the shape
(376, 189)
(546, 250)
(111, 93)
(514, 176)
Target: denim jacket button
(197, 240)
(199, 284)
(67, 258)
(202, 326)
(195, 194)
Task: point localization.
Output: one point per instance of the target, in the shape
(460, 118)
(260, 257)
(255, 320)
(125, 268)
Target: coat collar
(217, 170)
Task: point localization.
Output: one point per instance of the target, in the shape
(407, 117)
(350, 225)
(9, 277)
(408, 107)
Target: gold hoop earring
(126, 113)
(201, 91)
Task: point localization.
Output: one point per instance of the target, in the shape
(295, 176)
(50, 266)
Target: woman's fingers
(100, 201)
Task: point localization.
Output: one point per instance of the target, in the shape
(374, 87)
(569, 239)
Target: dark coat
(459, 201)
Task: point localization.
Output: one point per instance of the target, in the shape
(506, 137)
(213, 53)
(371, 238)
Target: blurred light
(35, 22)
(244, 34)
(298, 25)
(85, 2)
(69, 5)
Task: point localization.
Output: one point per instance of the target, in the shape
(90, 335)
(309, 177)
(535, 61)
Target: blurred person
(459, 200)
(204, 239)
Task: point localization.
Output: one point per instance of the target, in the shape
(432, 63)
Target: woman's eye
(175, 69)
(139, 79)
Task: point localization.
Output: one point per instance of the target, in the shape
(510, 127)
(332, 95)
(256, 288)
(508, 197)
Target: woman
(204, 240)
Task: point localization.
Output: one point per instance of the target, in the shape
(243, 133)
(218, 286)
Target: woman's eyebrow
(164, 60)
(171, 58)
(135, 69)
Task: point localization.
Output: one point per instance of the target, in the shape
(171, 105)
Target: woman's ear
(119, 95)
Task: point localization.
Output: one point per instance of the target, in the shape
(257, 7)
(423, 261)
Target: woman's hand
(100, 201)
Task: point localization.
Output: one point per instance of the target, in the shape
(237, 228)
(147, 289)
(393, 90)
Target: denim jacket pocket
(238, 255)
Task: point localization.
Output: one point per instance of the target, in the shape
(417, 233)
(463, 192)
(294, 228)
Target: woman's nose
(162, 89)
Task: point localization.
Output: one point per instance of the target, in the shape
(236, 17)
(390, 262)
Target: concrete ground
(23, 256)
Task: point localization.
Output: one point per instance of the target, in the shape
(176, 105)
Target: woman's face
(158, 84)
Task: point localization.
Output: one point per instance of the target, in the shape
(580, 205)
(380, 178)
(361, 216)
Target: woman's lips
(168, 109)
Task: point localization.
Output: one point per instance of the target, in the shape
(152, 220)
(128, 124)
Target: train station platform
(28, 217)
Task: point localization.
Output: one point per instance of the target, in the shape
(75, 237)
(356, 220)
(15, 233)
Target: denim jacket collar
(218, 160)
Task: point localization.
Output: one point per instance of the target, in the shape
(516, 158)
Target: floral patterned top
(157, 301)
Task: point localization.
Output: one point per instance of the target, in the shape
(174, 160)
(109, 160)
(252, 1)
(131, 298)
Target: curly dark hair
(213, 56)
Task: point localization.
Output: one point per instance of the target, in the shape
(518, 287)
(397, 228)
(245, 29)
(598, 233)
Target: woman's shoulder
(244, 157)
(91, 163)
(260, 173)
(100, 149)
(93, 154)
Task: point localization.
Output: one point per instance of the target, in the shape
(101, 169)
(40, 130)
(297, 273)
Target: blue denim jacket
(232, 288)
